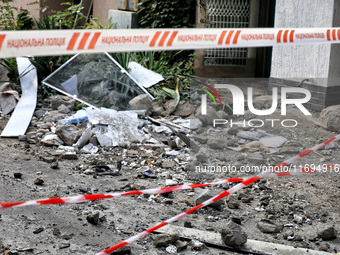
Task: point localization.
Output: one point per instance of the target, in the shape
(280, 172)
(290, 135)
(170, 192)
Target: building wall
(101, 9)
(303, 61)
(320, 64)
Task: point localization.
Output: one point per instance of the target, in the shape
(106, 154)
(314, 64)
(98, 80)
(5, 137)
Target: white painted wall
(304, 61)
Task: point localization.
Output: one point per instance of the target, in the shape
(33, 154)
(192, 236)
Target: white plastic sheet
(22, 115)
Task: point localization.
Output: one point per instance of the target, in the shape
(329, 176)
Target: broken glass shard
(96, 80)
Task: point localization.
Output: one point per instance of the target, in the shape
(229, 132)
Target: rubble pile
(157, 145)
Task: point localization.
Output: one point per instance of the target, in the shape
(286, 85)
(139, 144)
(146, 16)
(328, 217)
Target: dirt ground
(64, 229)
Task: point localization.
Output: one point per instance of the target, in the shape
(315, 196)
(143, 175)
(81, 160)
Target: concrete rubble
(158, 146)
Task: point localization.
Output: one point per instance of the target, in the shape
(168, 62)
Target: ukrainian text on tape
(64, 42)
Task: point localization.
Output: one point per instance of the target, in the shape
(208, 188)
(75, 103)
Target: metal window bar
(227, 14)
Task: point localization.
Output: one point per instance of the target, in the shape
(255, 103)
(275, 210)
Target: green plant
(7, 17)
(23, 20)
(68, 18)
(167, 14)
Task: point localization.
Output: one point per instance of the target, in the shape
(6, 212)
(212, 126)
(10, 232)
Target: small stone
(56, 231)
(246, 200)
(256, 159)
(55, 165)
(233, 202)
(164, 240)
(298, 238)
(38, 181)
(69, 134)
(17, 175)
(181, 246)
(328, 233)
(38, 230)
(330, 118)
(196, 245)
(64, 109)
(125, 250)
(69, 155)
(201, 139)
(184, 109)
(64, 246)
(141, 102)
(93, 218)
(202, 157)
(233, 130)
(168, 164)
(209, 118)
(268, 227)
(48, 159)
(207, 194)
(222, 114)
(22, 137)
(215, 144)
(233, 235)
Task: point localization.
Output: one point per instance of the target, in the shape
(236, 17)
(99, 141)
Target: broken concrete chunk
(330, 118)
(69, 134)
(273, 142)
(269, 227)
(165, 240)
(115, 128)
(233, 235)
(51, 140)
(58, 100)
(209, 118)
(196, 245)
(184, 109)
(84, 138)
(141, 102)
(328, 233)
(207, 194)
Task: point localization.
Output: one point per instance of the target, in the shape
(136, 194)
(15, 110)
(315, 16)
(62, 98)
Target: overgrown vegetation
(175, 66)
(167, 14)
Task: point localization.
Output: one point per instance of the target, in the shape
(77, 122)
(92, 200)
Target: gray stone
(222, 114)
(69, 134)
(273, 142)
(184, 109)
(216, 144)
(256, 159)
(207, 194)
(201, 139)
(290, 150)
(330, 118)
(233, 130)
(269, 227)
(157, 108)
(93, 218)
(232, 202)
(232, 235)
(141, 102)
(164, 240)
(64, 109)
(39, 181)
(22, 137)
(168, 164)
(181, 246)
(328, 233)
(209, 118)
(40, 113)
(196, 245)
(195, 124)
(202, 157)
(58, 100)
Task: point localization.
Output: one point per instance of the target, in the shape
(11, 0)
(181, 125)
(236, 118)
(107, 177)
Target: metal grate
(227, 14)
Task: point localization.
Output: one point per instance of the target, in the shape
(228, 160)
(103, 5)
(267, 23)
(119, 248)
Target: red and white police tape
(67, 42)
(216, 198)
(93, 197)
